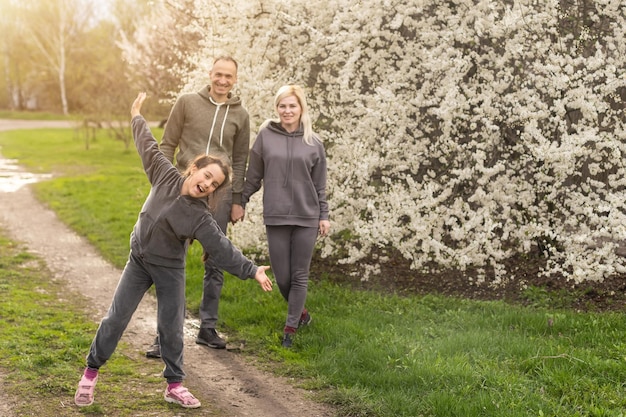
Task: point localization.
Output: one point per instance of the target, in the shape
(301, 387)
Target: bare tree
(164, 38)
(53, 27)
(14, 65)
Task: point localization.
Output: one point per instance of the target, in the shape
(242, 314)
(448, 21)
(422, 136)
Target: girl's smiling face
(203, 181)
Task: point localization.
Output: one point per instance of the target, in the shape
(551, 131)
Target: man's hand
(237, 213)
(263, 279)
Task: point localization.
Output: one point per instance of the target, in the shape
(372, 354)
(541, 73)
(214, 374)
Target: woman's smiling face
(289, 111)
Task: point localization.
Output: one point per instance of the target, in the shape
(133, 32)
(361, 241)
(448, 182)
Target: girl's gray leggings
(136, 278)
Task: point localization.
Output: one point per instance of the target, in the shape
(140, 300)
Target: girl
(174, 213)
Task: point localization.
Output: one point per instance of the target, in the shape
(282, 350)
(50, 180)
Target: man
(211, 121)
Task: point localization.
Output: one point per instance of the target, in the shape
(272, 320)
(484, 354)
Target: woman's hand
(135, 109)
(324, 228)
(263, 279)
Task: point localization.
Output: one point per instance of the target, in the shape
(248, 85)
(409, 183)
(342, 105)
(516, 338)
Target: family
(202, 176)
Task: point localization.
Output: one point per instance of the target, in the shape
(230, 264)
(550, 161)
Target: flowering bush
(459, 133)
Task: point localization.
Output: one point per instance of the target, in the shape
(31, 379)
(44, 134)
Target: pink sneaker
(182, 397)
(84, 393)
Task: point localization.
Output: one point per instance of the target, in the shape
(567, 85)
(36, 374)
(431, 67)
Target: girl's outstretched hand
(263, 279)
(135, 109)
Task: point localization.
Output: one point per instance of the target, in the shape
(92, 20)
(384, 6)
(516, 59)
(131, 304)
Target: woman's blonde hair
(305, 118)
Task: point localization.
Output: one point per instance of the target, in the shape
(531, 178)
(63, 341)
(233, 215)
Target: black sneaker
(210, 338)
(287, 340)
(305, 319)
(155, 350)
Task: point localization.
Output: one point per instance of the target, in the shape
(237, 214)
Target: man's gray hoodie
(198, 125)
(293, 175)
(168, 221)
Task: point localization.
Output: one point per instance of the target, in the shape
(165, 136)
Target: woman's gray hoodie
(168, 221)
(198, 125)
(293, 175)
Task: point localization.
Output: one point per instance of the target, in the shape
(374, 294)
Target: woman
(174, 213)
(288, 158)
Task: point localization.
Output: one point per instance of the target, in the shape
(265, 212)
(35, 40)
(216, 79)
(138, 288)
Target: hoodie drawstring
(224, 124)
(217, 110)
(289, 159)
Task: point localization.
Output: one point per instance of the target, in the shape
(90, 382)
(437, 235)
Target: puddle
(12, 177)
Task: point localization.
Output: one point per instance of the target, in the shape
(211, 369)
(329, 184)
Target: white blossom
(460, 133)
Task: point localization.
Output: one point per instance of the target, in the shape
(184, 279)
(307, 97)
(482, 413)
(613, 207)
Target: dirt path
(221, 376)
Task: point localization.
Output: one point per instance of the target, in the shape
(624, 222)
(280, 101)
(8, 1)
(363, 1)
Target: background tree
(465, 133)
(53, 28)
(102, 91)
(156, 44)
(17, 70)
(461, 134)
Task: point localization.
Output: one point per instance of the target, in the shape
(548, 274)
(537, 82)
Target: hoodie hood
(231, 100)
(277, 127)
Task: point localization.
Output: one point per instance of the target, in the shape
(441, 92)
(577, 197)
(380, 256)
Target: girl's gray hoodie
(168, 221)
(293, 175)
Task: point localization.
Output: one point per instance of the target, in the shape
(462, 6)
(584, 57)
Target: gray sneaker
(210, 338)
(154, 351)
(305, 318)
(287, 340)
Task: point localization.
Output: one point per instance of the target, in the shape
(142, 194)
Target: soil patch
(527, 287)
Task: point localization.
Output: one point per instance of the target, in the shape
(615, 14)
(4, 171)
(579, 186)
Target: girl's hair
(305, 118)
(203, 160)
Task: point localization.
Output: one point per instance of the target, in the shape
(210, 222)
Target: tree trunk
(62, 55)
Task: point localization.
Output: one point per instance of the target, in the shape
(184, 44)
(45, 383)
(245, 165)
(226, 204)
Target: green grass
(369, 354)
(44, 338)
(98, 192)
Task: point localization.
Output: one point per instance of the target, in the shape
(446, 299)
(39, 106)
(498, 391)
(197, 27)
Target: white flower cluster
(459, 134)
